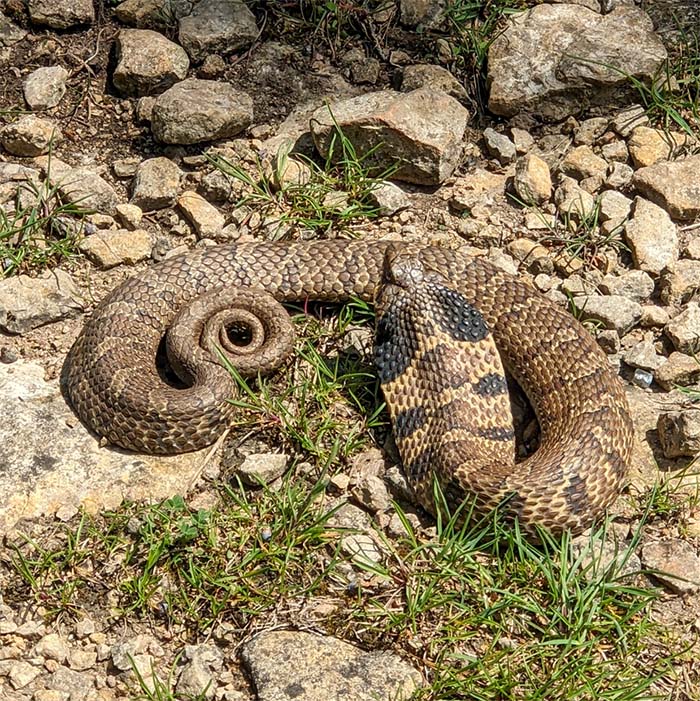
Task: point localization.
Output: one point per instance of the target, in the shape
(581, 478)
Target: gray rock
(499, 146)
(613, 311)
(10, 33)
(675, 564)
(679, 433)
(619, 175)
(581, 162)
(86, 189)
(198, 677)
(628, 119)
(654, 316)
(424, 12)
(27, 303)
(429, 75)
(217, 26)
(50, 463)
(195, 110)
(389, 199)
(298, 666)
(79, 686)
(522, 139)
(152, 14)
(372, 492)
(555, 60)
(116, 247)
(684, 329)
(30, 136)
(614, 208)
(156, 184)
(422, 130)
(652, 237)
(615, 151)
(61, 14)
(53, 647)
(45, 87)
(643, 355)
(635, 284)
(573, 201)
(681, 282)
(609, 341)
(680, 369)
(672, 185)
(206, 220)
(265, 467)
(590, 130)
(532, 181)
(148, 63)
(648, 146)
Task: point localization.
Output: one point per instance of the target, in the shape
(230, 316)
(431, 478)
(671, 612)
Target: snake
(450, 324)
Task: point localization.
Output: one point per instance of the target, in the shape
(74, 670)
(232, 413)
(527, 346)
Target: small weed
(326, 197)
(474, 25)
(38, 229)
(325, 405)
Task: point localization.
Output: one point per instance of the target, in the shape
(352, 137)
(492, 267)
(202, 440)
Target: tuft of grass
(473, 27)
(328, 196)
(38, 229)
(327, 405)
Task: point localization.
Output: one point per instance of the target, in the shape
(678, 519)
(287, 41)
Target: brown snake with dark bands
(112, 381)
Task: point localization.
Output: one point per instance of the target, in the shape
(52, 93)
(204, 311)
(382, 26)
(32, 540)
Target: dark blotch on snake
(420, 466)
(491, 385)
(459, 318)
(393, 349)
(408, 421)
(500, 433)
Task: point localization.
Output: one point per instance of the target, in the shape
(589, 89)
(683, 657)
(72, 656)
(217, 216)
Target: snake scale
(440, 312)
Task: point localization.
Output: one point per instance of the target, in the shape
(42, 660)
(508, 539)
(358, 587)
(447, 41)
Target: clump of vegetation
(38, 229)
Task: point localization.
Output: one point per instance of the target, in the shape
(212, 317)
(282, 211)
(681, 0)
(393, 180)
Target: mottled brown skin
(112, 381)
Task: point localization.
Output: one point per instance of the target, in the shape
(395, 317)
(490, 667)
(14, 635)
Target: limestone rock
(50, 463)
(499, 146)
(679, 283)
(613, 311)
(684, 329)
(648, 146)
(675, 563)
(109, 248)
(652, 237)
(679, 369)
(148, 63)
(679, 433)
(30, 136)
(532, 181)
(429, 75)
(206, 219)
(299, 666)
(217, 26)
(196, 110)
(86, 188)
(673, 185)
(422, 130)
(581, 162)
(45, 87)
(61, 14)
(152, 14)
(555, 60)
(27, 303)
(156, 184)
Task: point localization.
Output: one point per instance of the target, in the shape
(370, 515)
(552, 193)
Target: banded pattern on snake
(112, 381)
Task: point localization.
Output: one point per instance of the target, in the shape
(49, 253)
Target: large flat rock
(51, 465)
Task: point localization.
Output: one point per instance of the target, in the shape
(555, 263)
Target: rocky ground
(134, 131)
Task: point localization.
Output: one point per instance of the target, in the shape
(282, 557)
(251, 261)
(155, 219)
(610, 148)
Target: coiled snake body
(428, 328)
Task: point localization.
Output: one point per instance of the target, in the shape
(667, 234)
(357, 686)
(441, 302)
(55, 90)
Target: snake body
(112, 381)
